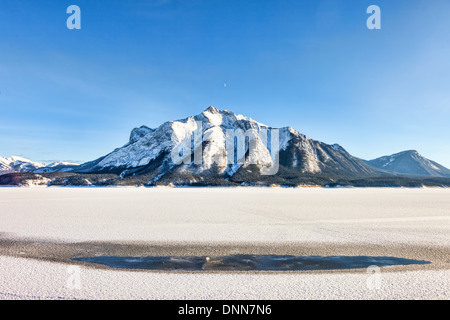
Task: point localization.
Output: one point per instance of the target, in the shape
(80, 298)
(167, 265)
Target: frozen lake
(54, 223)
(228, 214)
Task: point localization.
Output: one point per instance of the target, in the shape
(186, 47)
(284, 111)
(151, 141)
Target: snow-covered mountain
(58, 166)
(199, 146)
(410, 162)
(18, 164)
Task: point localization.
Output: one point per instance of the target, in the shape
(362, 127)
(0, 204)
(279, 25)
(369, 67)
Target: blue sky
(313, 65)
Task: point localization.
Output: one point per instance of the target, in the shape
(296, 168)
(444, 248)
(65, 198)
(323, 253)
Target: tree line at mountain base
(243, 178)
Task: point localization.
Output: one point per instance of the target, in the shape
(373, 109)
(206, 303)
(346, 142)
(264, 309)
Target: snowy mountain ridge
(18, 164)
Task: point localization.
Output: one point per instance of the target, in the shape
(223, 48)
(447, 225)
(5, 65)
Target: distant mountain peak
(18, 164)
(61, 163)
(410, 162)
(407, 152)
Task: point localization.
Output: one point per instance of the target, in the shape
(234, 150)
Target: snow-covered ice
(375, 218)
(27, 279)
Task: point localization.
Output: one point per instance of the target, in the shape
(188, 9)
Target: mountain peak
(18, 164)
(138, 133)
(212, 110)
(409, 152)
(410, 162)
(17, 158)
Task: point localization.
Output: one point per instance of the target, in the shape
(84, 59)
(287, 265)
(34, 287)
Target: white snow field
(375, 218)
